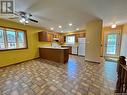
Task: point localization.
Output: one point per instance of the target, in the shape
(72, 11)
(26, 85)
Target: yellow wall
(76, 32)
(16, 56)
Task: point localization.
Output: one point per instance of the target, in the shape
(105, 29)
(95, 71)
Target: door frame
(118, 44)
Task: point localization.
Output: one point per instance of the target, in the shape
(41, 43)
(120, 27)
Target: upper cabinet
(62, 39)
(49, 36)
(45, 36)
(79, 35)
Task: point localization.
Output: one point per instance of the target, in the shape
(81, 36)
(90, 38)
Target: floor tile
(43, 77)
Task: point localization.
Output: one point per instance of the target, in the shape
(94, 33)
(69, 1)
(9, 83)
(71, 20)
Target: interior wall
(93, 40)
(15, 56)
(72, 33)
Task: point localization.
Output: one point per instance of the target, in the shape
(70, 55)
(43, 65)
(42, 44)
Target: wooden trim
(16, 30)
(74, 54)
(92, 61)
(12, 49)
(81, 55)
(11, 28)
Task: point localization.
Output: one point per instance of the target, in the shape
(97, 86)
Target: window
(70, 39)
(2, 45)
(111, 43)
(12, 39)
(21, 40)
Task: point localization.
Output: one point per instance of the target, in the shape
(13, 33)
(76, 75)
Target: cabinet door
(45, 36)
(62, 39)
(49, 37)
(76, 37)
(81, 35)
(42, 36)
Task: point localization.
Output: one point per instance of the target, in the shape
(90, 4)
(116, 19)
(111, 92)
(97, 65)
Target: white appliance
(81, 47)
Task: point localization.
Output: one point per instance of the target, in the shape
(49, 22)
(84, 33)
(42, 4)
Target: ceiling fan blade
(33, 20)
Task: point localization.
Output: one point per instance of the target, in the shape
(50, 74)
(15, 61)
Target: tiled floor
(42, 77)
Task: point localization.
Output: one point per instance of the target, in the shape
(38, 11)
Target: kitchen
(73, 41)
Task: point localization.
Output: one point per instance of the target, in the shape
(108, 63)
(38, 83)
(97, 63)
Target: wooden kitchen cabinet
(50, 37)
(69, 47)
(76, 37)
(60, 55)
(80, 35)
(62, 39)
(45, 36)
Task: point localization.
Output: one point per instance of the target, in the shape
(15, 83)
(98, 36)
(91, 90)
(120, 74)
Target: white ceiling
(52, 13)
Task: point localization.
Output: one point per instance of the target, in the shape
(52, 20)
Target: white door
(112, 44)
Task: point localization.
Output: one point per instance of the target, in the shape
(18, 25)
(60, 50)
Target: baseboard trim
(92, 61)
(18, 62)
(74, 54)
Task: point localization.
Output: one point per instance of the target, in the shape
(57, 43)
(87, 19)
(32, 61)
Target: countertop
(53, 47)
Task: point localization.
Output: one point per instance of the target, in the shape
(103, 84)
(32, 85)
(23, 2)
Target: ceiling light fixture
(60, 26)
(24, 20)
(113, 26)
(20, 21)
(52, 28)
(70, 24)
(77, 29)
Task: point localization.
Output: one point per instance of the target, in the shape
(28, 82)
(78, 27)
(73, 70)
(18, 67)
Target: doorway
(112, 45)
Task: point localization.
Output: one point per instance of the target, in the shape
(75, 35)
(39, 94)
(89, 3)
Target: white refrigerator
(81, 47)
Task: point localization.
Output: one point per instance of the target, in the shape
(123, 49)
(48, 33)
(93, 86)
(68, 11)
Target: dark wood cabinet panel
(45, 36)
(61, 39)
(80, 35)
(50, 36)
(55, 54)
(42, 36)
(76, 37)
(69, 47)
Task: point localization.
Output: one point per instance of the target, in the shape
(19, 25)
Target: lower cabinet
(69, 47)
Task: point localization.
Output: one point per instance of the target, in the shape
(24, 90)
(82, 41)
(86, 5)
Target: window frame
(69, 36)
(16, 32)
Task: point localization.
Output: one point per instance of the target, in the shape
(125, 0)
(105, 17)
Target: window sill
(13, 49)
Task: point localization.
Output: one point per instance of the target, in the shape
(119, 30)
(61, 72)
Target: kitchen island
(57, 54)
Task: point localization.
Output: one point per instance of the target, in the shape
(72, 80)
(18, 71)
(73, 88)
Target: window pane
(21, 37)
(21, 40)
(21, 45)
(70, 39)
(111, 44)
(11, 39)
(2, 45)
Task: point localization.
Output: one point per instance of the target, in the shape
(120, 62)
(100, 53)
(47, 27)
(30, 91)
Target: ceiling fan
(24, 17)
